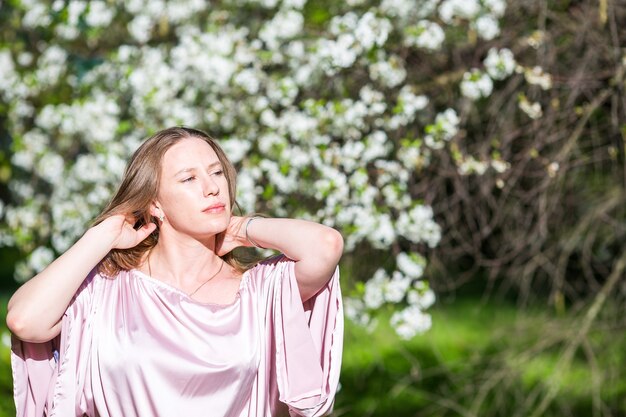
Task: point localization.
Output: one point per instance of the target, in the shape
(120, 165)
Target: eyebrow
(211, 166)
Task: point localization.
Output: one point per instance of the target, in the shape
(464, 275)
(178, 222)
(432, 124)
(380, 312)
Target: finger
(128, 218)
(131, 219)
(144, 231)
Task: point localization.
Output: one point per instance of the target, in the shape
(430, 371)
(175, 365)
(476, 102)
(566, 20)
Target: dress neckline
(243, 282)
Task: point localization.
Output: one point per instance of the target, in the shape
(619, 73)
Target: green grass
(7, 407)
(483, 360)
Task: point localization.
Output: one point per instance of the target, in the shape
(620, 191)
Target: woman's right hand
(120, 230)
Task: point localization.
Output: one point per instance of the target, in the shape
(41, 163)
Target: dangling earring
(161, 216)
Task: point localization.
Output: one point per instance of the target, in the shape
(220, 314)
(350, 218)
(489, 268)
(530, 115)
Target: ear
(155, 208)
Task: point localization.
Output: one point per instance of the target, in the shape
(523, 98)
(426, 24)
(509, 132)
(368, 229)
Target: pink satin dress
(135, 346)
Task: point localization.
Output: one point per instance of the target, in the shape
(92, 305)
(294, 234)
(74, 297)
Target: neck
(183, 263)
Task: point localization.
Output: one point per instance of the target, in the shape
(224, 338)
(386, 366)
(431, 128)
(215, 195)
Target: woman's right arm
(35, 310)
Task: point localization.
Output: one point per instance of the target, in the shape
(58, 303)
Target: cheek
(226, 189)
(175, 201)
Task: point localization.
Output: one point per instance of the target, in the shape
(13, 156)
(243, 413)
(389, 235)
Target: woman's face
(193, 191)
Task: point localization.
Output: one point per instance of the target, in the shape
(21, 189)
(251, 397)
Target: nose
(210, 186)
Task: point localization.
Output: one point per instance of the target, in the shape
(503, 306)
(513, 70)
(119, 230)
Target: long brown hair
(139, 188)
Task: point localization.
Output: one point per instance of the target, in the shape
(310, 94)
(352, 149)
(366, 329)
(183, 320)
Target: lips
(215, 208)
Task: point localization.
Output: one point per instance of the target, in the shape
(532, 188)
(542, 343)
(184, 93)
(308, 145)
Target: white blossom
(374, 289)
(444, 129)
(51, 65)
(487, 27)
(369, 95)
(410, 322)
(271, 141)
(8, 76)
(499, 64)
(285, 25)
(383, 233)
(500, 166)
(297, 158)
(470, 165)
(352, 308)
(411, 157)
(283, 92)
(98, 15)
(246, 190)
(26, 218)
(346, 23)
(390, 172)
(297, 124)
(359, 179)
(248, 80)
(396, 287)
(268, 4)
(24, 58)
(23, 159)
(51, 167)
(293, 4)
(465, 9)
(476, 85)
(235, 148)
(67, 32)
(390, 72)
(338, 53)
(37, 14)
(376, 146)
(448, 122)
(411, 265)
(426, 34)
(134, 6)
(21, 190)
(409, 104)
(181, 10)
(74, 10)
(495, 7)
(532, 109)
(397, 8)
(421, 296)
(140, 28)
(537, 76)
(6, 336)
(418, 225)
(372, 31)
(351, 153)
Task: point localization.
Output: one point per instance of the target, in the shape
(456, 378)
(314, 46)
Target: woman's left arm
(315, 248)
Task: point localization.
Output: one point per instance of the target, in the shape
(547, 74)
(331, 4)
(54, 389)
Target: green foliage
(7, 408)
(481, 359)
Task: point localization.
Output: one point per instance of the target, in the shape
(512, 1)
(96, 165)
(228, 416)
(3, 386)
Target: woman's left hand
(233, 237)
(315, 248)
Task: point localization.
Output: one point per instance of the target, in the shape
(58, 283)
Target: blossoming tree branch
(325, 108)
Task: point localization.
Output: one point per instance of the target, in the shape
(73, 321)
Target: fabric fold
(309, 343)
(33, 367)
(46, 379)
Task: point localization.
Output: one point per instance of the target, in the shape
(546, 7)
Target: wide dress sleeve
(307, 339)
(48, 377)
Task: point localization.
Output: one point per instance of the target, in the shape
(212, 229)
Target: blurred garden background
(472, 153)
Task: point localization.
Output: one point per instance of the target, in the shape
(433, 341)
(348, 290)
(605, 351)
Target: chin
(219, 225)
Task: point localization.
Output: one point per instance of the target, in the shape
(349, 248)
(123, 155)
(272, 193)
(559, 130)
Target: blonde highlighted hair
(139, 189)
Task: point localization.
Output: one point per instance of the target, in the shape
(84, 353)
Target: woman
(167, 321)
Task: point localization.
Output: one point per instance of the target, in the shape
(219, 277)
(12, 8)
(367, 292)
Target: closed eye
(189, 179)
